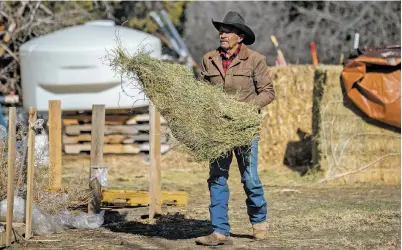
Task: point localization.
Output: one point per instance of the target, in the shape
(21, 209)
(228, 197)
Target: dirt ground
(302, 213)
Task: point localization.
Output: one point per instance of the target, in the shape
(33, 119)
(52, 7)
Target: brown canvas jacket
(247, 76)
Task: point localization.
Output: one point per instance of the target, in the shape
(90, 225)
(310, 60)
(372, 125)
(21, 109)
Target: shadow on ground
(170, 226)
(298, 154)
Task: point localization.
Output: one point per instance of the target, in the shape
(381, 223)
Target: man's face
(229, 37)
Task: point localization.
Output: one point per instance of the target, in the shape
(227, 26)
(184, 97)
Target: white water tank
(68, 65)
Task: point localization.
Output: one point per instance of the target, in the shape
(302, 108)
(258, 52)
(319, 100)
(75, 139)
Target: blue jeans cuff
(221, 232)
(258, 222)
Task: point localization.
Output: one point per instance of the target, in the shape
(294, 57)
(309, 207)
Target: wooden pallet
(112, 148)
(145, 147)
(118, 111)
(125, 132)
(111, 139)
(142, 118)
(112, 116)
(109, 129)
(107, 148)
(123, 198)
(142, 138)
(109, 119)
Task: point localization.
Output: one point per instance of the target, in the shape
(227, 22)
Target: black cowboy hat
(236, 20)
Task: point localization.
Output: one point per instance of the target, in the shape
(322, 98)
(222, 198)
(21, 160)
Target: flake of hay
(202, 117)
(348, 145)
(290, 111)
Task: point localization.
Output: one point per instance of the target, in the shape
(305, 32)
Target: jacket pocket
(243, 72)
(242, 80)
(213, 76)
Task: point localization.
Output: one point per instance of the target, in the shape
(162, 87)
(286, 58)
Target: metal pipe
(174, 32)
(177, 36)
(173, 44)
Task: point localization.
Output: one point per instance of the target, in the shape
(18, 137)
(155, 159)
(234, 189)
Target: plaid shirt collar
(227, 61)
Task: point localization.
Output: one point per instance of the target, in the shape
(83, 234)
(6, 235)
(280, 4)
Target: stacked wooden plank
(126, 132)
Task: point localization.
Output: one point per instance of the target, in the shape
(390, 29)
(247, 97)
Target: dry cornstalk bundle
(348, 145)
(200, 116)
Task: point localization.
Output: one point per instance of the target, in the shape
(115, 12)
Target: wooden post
(12, 114)
(97, 140)
(55, 166)
(30, 172)
(341, 58)
(155, 196)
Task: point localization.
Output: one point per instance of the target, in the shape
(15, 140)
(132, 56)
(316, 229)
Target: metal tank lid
(93, 35)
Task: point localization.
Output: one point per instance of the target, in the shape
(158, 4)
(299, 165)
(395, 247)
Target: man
(244, 72)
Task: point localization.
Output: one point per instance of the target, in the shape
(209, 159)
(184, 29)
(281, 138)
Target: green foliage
(141, 19)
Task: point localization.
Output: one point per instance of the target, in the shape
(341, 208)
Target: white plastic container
(68, 65)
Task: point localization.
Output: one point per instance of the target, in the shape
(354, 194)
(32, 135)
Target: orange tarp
(373, 82)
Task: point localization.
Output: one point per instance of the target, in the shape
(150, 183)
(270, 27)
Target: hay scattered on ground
(348, 145)
(200, 116)
(74, 194)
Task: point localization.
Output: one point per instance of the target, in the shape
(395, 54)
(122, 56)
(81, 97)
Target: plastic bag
(3, 133)
(42, 222)
(41, 149)
(45, 224)
(18, 210)
(101, 174)
(82, 220)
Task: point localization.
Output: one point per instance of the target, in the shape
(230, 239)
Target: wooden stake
(30, 172)
(155, 196)
(12, 114)
(281, 57)
(55, 166)
(97, 140)
(341, 58)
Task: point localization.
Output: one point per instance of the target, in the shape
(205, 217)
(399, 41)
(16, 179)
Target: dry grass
(205, 120)
(349, 146)
(73, 194)
(301, 214)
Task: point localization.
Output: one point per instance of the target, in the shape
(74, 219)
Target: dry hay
(290, 111)
(349, 146)
(73, 194)
(207, 121)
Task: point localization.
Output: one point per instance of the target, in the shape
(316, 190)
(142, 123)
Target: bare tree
(23, 20)
(330, 24)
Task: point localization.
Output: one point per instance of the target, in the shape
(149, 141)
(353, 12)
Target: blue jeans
(247, 158)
